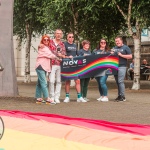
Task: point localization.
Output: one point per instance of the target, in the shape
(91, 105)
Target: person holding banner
(102, 48)
(124, 53)
(85, 81)
(58, 48)
(71, 50)
(43, 65)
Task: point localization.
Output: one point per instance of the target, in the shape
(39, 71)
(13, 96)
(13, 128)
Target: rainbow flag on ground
(38, 131)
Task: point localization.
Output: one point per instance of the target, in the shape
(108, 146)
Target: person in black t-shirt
(85, 81)
(124, 53)
(71, 50)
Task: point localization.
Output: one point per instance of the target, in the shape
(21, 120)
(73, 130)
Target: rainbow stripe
(101, 63)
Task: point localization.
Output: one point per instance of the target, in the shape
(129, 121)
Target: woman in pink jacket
(43, 65)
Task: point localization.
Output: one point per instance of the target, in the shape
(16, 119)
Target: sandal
(40, 101)
(50, 101)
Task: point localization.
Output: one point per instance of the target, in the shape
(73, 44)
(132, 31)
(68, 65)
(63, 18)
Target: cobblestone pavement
(135, 110)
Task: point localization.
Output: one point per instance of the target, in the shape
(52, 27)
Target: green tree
(136, 15)
(87, 19)
(28, 22)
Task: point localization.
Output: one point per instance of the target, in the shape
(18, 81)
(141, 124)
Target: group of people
(52, 51)
(143, 67)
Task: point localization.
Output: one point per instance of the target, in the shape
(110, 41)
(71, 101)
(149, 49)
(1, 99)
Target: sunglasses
(71, 37)
(45, 39)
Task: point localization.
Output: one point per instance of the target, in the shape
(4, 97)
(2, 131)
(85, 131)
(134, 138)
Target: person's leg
(82, 86)
(104, 88)
(67, 90)
(43, 87)
(52, 81)
(121, 75)
(116, 79)
(85, 87)
(131, 74)
(99, 86)
(67, 86)
(42, 84)
(58, 83)
(77, 85)
(38, 91)
(78, 89)
(103, 85)
(148, 77)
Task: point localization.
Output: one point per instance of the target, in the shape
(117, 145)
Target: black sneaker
(124, 99)
(118, 97)
(121, 99)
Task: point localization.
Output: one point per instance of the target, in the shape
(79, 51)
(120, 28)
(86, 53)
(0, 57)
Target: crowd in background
(144, 68)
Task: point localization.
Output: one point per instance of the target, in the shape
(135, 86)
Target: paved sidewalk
(135, 110)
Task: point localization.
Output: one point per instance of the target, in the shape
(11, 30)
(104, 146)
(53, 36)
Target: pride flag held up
(89, 66)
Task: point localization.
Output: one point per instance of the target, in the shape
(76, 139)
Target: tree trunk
(27, 77)
(8, 80)
(76, 33)
(18, 49)
(137, 47)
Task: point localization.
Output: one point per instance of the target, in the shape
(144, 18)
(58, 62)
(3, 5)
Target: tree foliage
(28, 12)
(28, 22)
(87, 19)
(136, 15)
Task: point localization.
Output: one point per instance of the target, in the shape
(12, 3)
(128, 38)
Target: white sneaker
(81, 99)
(57, 100)
(99, 99)
(86, 99)
(104, 99)
(66, 100)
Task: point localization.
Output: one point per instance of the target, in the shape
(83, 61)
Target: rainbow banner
(39, 131)
(89, 66)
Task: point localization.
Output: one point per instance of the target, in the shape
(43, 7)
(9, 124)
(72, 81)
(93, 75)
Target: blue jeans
(102, 85)
(120, 80)
(41, 86)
